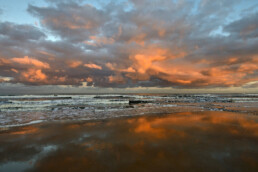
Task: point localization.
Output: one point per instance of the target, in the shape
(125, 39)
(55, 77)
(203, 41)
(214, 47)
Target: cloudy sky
(128, 46)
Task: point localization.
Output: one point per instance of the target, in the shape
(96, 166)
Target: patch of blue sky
(195, 7)
(241, 9)
(218, 32)
(16, 11)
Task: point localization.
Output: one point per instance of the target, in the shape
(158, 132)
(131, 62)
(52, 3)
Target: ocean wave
(76, 107)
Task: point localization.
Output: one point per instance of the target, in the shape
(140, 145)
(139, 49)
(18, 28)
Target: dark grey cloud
(71, 21)
(20, 32)
(246, 27)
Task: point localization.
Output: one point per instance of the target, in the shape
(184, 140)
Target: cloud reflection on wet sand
(177, 142)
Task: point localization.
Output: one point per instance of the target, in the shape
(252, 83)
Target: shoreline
(82, 115)
(38, 122)
(114, 118)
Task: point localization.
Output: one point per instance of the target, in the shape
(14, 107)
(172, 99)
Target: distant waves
(22, 110)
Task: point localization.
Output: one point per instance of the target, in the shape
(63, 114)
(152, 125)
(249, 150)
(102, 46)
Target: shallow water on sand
(187, 141)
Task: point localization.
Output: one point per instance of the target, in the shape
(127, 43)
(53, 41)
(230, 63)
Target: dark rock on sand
(137, 102)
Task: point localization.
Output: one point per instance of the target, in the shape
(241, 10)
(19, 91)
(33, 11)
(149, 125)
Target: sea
(19, 110)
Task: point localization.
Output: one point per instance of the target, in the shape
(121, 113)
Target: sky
(123, 46)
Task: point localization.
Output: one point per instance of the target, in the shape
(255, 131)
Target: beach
(128, 86)
(183, 141)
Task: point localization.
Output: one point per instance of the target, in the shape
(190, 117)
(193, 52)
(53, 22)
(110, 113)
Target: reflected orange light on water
(179, 142)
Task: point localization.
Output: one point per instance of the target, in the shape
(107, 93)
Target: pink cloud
(74, 64)
(34, 76)
(30, 61)
(93, 66)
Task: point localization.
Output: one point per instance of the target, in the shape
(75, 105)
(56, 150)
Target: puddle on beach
(189, 141)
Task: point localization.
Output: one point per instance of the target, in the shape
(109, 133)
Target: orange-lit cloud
(89, 79)
(14, 70)
(93, 66)
(74, 64)
(30, 61)
(116, 79)
(97, 41)
(34, 76)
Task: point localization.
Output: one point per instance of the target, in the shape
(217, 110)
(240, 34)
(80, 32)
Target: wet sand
(186, 141)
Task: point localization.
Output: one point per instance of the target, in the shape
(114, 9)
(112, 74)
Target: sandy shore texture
(185, 141)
